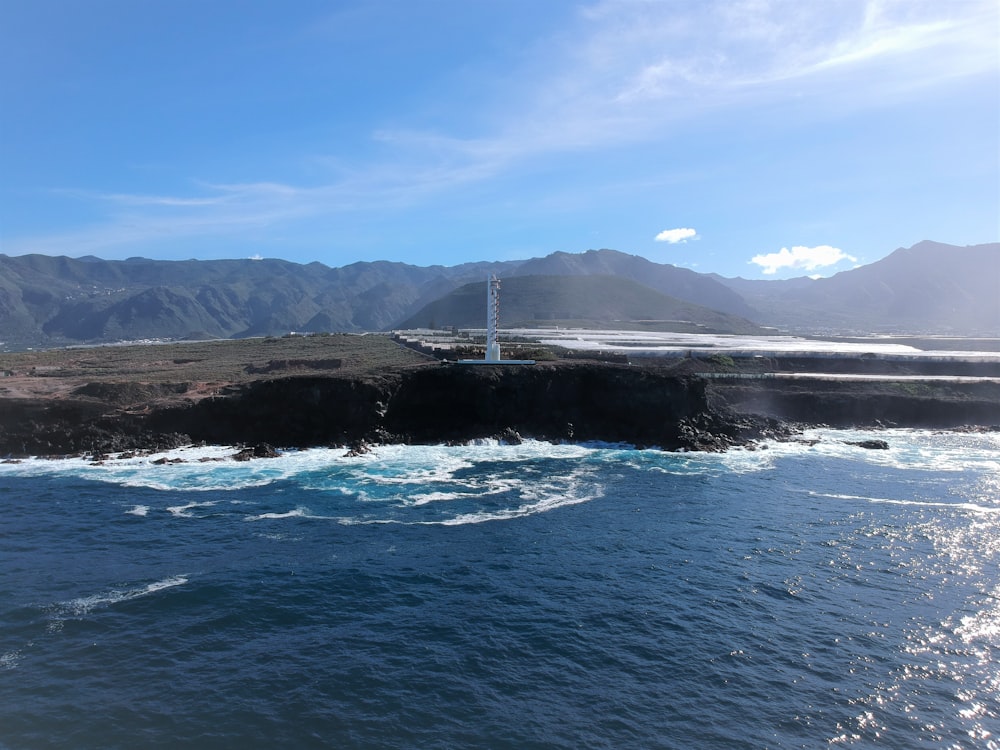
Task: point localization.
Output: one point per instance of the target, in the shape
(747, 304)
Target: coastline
(424, 405)
(352, 392)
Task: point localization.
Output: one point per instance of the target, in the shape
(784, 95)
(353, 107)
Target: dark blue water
(534, 596)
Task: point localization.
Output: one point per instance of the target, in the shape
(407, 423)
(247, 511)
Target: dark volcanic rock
(45, 427)
(456, 403)
(261, 450)
(602, 402)
(860, 403)
(358, 448)
(298, 411)
(873, 445)
(448, 403)
(510, 436)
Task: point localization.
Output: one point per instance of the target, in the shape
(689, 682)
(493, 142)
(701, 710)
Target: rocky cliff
(443, 403)
(424, 404)
(847, 403)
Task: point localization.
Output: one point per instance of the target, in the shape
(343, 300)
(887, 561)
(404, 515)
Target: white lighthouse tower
(492, 318)
(492, 324)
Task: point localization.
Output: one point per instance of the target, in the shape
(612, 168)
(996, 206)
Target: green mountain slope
(546, 300)
(681, 283)
(48, 301)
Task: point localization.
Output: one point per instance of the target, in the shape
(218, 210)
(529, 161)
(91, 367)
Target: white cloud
(673, 236)
(806, 258)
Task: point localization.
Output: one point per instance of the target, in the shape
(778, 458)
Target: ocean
(801, 595)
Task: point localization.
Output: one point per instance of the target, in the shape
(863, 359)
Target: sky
(754, 138)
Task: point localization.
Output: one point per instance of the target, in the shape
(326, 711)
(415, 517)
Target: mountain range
(930, 288)
(581, 300)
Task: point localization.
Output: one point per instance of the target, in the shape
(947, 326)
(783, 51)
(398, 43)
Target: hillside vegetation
(586, 300)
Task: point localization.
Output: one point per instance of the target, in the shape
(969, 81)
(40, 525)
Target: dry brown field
(206, 365)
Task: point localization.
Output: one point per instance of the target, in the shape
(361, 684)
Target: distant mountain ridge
(57, 300)
(928, 288)
(582, 300)
(54, 301)
(672, 281)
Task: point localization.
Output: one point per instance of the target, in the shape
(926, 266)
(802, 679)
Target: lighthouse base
(495, 362)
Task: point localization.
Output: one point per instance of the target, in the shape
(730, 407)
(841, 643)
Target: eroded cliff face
(428, 404)
(289, 412)
(43, 427)
(443, 403)
(448, 403)
(916, 403)
(607, 402)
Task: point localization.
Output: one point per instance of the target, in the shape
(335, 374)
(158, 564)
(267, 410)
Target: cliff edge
(436, 403)
(340, 390)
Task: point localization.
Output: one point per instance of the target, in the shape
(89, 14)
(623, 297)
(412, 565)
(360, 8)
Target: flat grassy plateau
(207, 365)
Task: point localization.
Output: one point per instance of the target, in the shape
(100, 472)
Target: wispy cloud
(633, 71)
(619, 72)
(243, 209)
(630, 71)
(127, 199)
(135, 219)
(800, 257)
(723, 46)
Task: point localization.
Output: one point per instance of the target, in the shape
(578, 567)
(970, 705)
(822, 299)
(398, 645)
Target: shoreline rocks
(454, 404)
(872, 445)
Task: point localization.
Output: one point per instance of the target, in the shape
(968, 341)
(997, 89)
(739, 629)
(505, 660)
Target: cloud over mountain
(801, 257)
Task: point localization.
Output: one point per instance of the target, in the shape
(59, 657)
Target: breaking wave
(82, 606)
(483, 481)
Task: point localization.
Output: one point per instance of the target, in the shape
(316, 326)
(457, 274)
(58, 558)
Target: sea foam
(471, 483)
(84, 605)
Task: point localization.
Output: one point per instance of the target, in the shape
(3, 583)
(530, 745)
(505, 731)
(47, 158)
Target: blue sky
(757, 138)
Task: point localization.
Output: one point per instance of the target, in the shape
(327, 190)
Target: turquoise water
(549, 596)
